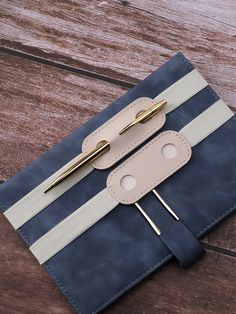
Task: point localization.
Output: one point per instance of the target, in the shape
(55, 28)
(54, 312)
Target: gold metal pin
(145, 115)
(167, 207)
(149, 220)
(100, 149)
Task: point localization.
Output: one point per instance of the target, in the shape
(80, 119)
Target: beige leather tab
(121, 145)
(148, 167)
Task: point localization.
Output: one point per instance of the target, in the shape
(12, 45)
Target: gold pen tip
(48, 188)
(53, 184)
(149, 113)
(125, 128)
(123, 131)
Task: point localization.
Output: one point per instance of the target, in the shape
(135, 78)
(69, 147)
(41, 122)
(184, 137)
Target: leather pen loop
(103, 146)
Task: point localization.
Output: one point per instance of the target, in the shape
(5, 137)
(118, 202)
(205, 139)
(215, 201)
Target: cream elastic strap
(36, 200)
(89, 214)
(102, 203)
(182, 90)
(206, 123)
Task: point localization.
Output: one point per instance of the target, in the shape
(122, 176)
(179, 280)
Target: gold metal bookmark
(149, 220)
(147, 217)
(166, 206)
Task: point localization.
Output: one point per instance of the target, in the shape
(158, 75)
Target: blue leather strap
(182, 243)
(176, 236)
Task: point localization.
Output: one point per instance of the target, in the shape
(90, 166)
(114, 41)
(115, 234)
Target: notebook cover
(121, 249)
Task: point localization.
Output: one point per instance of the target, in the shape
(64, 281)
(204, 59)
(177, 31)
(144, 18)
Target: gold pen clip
(100, 149)
(145, 115)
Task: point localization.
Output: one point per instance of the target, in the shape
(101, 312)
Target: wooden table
(64, 61)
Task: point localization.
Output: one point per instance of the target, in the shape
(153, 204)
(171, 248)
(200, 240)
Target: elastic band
(206, 123)
(73, 226)
(182, 90)
(36, 200)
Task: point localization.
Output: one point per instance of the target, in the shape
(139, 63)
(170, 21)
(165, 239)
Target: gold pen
(100, 149)
(103, 146)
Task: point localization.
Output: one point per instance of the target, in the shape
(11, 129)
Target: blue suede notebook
(121, 249)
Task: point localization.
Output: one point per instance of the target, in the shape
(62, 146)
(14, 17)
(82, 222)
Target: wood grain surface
(40, 105)
(126, 40)
(86, 54)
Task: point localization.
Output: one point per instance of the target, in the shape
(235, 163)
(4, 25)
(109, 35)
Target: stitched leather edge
(159, 180)
(127, 149)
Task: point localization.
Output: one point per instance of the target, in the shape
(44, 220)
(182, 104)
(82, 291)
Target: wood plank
(127, 40)
(210, 10)
(35, 107)
(207, 287)
(40, 105)
(225, 230)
